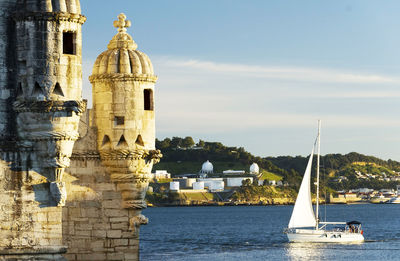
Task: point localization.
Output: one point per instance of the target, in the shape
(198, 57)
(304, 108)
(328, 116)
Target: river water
(255, 233)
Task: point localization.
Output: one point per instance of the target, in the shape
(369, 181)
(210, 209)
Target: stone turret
(48, 101)
(123, 87)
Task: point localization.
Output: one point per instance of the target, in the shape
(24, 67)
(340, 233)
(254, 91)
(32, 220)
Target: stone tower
(40, 108)
(48, 88)
(51, 146)
(123, 87)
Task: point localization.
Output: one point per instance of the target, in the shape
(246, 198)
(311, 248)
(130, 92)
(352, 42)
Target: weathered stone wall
(95, 226)
(26, 226)
(7, 64)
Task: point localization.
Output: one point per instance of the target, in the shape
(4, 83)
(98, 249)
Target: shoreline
(222, 204)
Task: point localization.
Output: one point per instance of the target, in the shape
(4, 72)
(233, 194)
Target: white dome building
(207, 168)
(254, 169)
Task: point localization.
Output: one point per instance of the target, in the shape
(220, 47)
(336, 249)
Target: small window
(148, 100)
(69, 43)
(119, 120)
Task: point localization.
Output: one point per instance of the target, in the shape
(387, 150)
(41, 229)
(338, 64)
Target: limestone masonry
(72, 181)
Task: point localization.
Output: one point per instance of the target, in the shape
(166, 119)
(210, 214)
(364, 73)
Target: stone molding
(50, 16)
(131, 177)
(138, 154)
(87, 155)
(78, 107)
(134, 204)
(123, 77)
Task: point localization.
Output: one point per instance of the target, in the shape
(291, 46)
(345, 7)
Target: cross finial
(122, 23)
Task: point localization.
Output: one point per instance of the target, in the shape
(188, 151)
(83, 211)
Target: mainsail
(303, 213)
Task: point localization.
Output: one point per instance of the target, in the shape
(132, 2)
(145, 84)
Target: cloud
(195, 120)
(276, 72)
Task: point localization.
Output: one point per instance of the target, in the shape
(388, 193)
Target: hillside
(339, 172)
(183, 156)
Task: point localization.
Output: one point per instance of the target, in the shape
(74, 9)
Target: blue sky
(258, 74)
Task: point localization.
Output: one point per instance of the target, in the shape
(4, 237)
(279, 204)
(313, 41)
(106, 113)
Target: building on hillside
(209, 181)
(233, 172)
(64, 168)
(217, 186)
(237, 181)
(185, 182)
(161, 174)
(198, 185)
(174, 186)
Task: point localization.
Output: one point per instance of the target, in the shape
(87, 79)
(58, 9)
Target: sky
(259, 74)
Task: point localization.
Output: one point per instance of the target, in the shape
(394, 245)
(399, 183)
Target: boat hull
(321, 236)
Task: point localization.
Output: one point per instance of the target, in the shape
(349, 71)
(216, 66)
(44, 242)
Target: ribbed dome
(123, 61)
(65, 6)
(122, 56)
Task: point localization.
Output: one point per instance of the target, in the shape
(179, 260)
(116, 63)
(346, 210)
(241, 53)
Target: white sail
(303, 213)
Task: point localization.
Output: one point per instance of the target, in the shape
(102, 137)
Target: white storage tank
(209, 181)
(199, 185)
(237, 182)
(217, 185)
(174, 186)
(189, 182)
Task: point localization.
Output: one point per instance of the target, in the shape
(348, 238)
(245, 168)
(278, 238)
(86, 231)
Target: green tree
(201, 143)
(164, 144)
(246, 183)
(187, 142)
(175, 142)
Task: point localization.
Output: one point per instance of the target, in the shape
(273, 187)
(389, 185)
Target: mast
(318, 154)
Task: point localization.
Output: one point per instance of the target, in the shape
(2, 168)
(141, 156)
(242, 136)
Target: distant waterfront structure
(237, 181)
(254, 169)
(199, 185)
(161, 174)
(234, 172)
(174, 186)
(206, 168)
(208, 182)
(217, 185)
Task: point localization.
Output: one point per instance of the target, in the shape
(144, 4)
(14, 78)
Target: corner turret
(123, 88)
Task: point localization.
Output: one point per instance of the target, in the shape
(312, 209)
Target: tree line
(291, 168)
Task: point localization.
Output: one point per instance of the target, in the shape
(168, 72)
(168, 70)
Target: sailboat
(305, 226)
